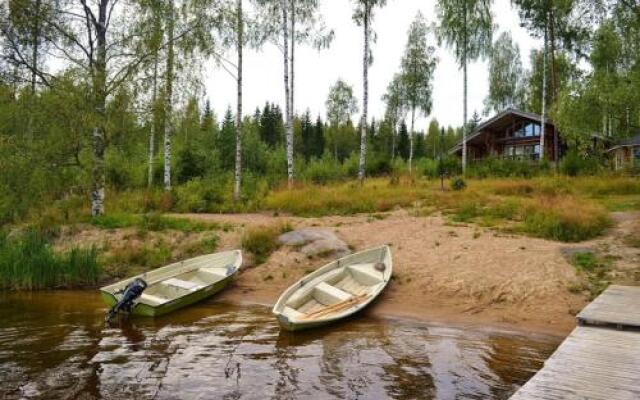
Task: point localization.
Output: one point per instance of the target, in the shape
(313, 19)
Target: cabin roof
(498, 120)
(629, 142)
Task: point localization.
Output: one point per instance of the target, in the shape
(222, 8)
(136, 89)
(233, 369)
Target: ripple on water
(54, 344)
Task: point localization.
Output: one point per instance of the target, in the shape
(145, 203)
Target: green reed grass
(28, 262)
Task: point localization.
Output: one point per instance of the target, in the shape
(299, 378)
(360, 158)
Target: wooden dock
(596, 361)
(618, 306)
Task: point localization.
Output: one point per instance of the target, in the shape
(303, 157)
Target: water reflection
(55, 345)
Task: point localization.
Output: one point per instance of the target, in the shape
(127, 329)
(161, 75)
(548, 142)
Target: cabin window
(528, 129)
(522, 152)
(636, 154)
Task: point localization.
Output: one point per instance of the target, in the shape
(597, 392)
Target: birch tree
(168, 93)
(418, 65)
(467, 27)
(236, 29)
(363, 15)
(506, 82)
(288, 22)
(341, 104)
(395, 110)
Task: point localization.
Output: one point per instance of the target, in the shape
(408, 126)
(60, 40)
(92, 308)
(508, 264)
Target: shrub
(458, 184)
(28, 262)
(322, 171)
(199, 195)
(574, 164)
(262, 241)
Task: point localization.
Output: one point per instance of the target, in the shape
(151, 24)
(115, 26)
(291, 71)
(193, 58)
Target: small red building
(512, 134)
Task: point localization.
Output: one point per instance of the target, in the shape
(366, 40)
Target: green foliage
(151, 222)
(262, 241)
(594, 269)
(507, 168)
(575, 164)
(28, 262)
(506, 76)
(458, 184)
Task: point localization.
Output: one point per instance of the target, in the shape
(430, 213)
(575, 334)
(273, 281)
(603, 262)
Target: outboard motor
(129, 294)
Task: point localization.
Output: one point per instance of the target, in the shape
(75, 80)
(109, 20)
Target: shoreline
(390, 310)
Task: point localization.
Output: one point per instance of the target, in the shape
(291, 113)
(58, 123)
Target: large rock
(313, 242)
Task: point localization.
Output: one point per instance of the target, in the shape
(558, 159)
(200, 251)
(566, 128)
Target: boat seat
(366, 274)
(186, 285)
(291, 313)
(215, 272)
(152, 300)
(328, 295)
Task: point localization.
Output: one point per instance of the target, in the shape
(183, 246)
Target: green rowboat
(179, 284)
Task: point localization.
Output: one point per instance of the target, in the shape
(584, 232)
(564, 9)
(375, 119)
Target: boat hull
(147, 310)
(335, 273)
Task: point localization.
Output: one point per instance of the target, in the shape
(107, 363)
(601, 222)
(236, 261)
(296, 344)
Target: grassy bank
(557, 208)
(28, 262)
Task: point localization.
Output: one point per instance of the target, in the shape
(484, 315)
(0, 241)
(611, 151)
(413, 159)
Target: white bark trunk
(365, 96)
(168, 101)
(464, 117)
(413, 117)
(543, 117)
(289, 127)
(100, 96)
(152, 133)
(240, 44)
(464, 93)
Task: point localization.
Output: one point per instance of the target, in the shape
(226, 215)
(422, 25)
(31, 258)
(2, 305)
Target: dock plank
(616, 306)
(592, 363)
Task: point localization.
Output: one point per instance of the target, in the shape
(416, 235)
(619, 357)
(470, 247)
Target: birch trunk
(413, 117)
(543, 118)
(289, 127)
(35, 35)
(464, 114)
(100, 93)
(152, 133)
(292, 63)
(239, 44)
(365, 97)
(168, 105)
(464, 93)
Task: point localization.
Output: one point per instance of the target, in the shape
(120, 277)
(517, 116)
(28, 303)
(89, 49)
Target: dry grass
(376, 195)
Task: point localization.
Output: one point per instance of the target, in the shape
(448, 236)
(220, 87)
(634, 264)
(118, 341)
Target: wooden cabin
(512, 134)
(626, 154)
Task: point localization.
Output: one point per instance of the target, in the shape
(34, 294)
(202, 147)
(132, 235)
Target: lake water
(56, 345)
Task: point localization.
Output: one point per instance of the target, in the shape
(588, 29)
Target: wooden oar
(336, 307)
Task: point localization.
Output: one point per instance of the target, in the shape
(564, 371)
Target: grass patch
(28, 262)
(151, 222)
(262, 241)
(595, 271)
(565, 219)
(376, 195)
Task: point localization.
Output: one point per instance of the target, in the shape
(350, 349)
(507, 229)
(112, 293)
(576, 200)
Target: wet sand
(462, 275)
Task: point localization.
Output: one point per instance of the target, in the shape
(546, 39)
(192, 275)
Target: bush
(28, 262)
(458, 184)
(322, 171)
(574, 164)
(262, 241)
(200, 195)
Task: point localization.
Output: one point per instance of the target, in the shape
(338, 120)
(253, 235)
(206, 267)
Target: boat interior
(179, 279)
(319, 297)
(180, 285)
